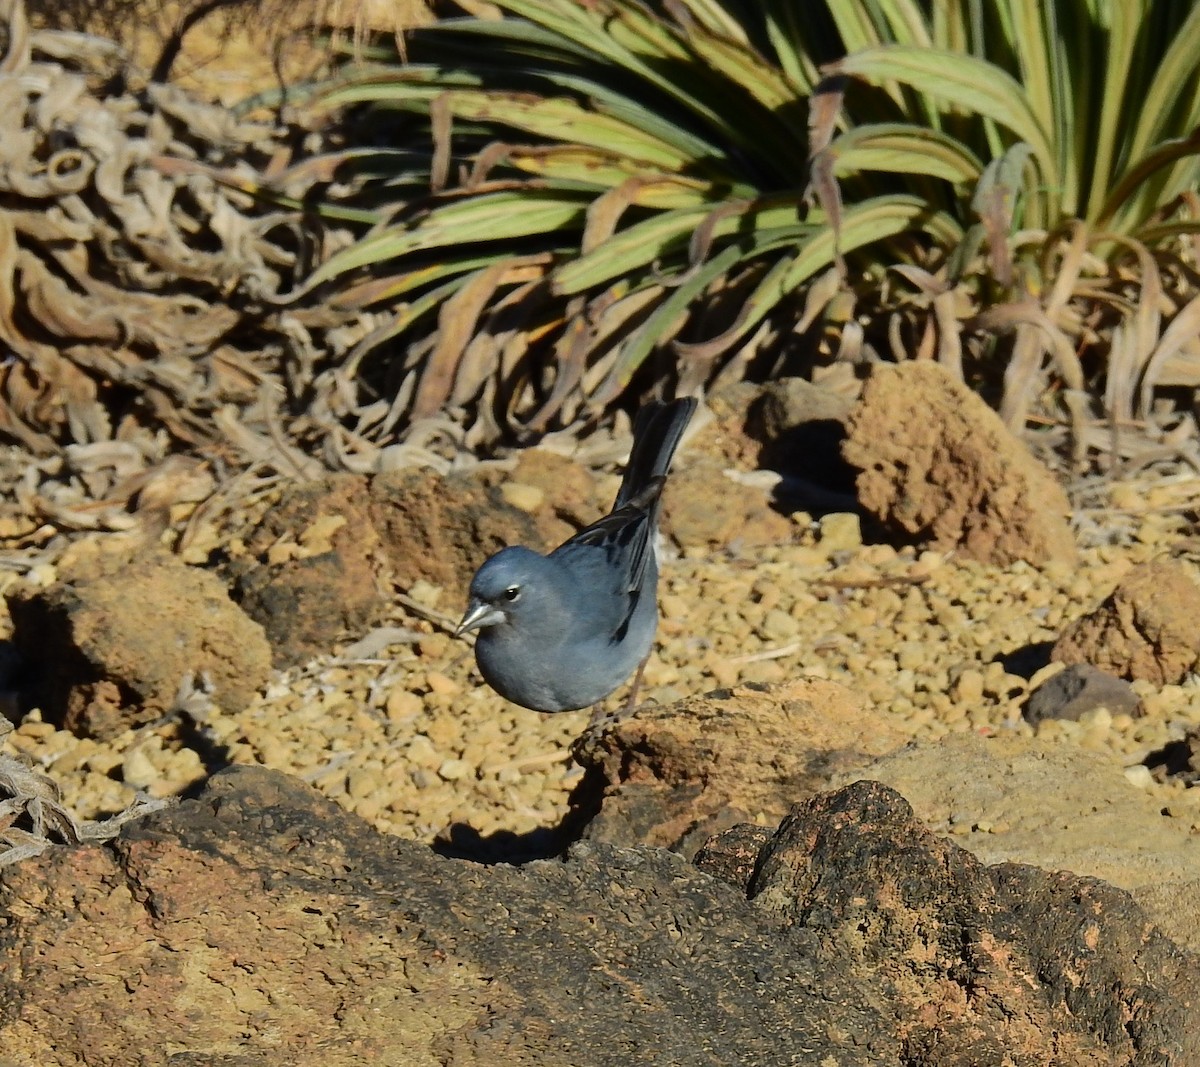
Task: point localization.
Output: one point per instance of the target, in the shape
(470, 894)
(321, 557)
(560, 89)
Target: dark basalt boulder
(259, 923)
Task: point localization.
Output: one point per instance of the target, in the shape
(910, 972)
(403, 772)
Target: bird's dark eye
(512, 592)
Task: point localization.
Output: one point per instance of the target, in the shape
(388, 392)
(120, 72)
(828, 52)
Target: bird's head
(513, 585)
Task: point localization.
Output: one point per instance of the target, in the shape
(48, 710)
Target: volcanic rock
(1145, 629)
(108, 652)
(260, 924)
(936, 465)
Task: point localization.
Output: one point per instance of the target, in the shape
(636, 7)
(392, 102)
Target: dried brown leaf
(457, 319)
(1182, 329)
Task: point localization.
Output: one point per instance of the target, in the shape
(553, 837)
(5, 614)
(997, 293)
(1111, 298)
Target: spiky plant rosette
(575, 188)
(1074, 289)
(600, 183)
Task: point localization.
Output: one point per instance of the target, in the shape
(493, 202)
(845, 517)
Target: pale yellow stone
(283, 552)
(841, 531)
(445, 732)
(968, 687)
(317, 538)
(778, 625)
(1097, 720)
(1139, 776)
(421, 752)
(441, 685)
(362, 782)
(527, 498)
(402, 704)
(425, 593)
(138, 769)
(454, 769)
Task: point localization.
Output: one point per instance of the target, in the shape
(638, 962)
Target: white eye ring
(512, 593)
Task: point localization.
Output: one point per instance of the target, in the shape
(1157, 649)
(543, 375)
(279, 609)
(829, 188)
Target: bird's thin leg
(637, 684)
(601, 716)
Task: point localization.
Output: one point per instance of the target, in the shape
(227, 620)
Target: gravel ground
(400, 729)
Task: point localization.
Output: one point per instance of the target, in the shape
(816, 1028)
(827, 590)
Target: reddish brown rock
(569, 492)
(440, 529)
(1145, 629)
(674, 775)
(704, 508)
(314, 570)
(936, 465)
(261, 924)
(319, 567)
(719, 431)
(109, 652)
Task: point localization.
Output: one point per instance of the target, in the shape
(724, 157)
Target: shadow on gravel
(462, 842)
(1176, 759)
(214, 755)
(1026, 661)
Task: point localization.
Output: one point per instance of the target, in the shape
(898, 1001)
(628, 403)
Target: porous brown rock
(440, 528)
(312, 570)
(260, 924)
(1009, 798)
(983, 965)
(108, 652)
(673, 775)
(732, 854)
(318, 567)
(719, 431)
(936, 465)
(1145, 629)
(704, 508)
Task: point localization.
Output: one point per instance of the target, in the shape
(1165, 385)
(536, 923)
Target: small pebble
(422, 753)
(444, 732)
(440, 685)
(527, 498)
(968, 687)
(402, 704)
(1139, 776)
(778, 625)
(137, 769)
(454, 769)
(840, 531)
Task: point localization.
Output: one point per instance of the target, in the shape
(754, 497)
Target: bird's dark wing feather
(615, 550)
(614, 553)
(623, 536)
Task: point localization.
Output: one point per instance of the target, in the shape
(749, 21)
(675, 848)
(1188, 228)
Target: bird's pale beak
(478, 616)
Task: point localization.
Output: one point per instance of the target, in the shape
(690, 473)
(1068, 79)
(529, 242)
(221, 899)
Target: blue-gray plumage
(562, 631)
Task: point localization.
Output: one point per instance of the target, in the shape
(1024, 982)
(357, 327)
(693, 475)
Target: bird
(560, 632)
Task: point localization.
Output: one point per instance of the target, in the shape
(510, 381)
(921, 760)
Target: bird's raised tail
(656, 435)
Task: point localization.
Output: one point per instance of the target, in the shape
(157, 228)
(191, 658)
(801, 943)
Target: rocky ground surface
(260, 924)
(809, 639)
(375, 703)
